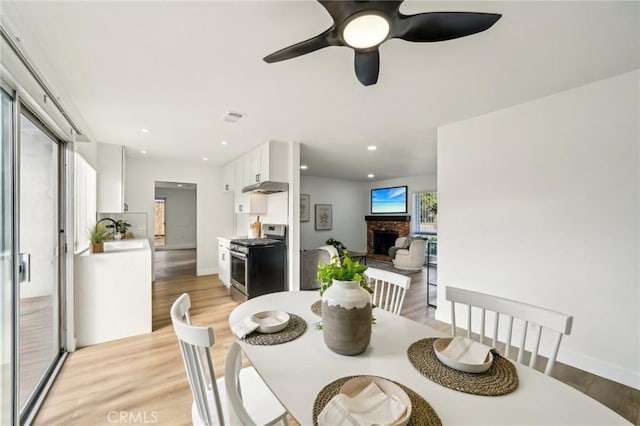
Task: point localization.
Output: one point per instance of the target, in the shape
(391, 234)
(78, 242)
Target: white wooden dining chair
(209, 400)
(237, 400)
(389, 289)
(555, 323)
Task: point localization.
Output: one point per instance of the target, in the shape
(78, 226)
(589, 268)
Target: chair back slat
(523, 339)
(495, 330)
(389, 289)
(536, 346)
(195, 347)
(530, 315)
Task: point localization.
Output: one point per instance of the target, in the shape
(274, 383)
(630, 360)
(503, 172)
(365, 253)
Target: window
(425, 212)
(85, 184)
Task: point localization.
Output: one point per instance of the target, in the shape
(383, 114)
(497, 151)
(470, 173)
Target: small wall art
(305, 205)
(324, 217)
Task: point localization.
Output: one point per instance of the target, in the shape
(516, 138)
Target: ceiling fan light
(366, 31)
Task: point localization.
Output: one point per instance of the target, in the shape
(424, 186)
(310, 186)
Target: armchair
(411, 258)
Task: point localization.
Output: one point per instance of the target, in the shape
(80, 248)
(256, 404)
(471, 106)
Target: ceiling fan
(365, 25)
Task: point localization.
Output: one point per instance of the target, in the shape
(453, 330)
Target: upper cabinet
(268, 162)
(112, 175)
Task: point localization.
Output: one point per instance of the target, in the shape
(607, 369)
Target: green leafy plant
(337, 244)
(121, 227)
(348, 270)
(99, 234)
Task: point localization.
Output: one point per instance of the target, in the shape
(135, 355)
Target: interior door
(39, 343)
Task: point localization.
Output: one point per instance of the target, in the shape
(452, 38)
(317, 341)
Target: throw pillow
(407, 242)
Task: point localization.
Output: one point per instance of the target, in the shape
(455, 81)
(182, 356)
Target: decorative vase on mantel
(346, 317)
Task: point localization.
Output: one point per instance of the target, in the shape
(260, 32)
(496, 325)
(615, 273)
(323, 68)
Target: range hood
(267, 187)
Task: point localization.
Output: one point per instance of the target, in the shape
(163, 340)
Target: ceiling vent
(233, 117)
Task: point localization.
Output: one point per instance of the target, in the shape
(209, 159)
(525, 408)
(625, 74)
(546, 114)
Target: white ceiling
(175, 68)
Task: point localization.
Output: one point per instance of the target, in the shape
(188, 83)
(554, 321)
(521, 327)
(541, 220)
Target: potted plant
(98, 234)
(119, 230)
(346, 305)
(337, 244)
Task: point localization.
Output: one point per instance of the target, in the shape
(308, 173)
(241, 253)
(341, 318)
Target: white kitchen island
(113, 292)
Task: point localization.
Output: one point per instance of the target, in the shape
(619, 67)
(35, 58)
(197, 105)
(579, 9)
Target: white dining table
(298, 370)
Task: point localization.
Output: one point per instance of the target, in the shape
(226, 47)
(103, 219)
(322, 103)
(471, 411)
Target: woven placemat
(293, 330)
(500, 379)
(421, 411)
(316, 307)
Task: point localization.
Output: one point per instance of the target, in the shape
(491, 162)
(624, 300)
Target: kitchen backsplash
(277, 212)
(138, 221)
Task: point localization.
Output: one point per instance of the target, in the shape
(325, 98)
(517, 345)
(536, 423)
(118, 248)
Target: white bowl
(439, 347)
(357, 384)
(270, 321)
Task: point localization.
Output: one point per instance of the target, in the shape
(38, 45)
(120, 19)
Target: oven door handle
(239, 255)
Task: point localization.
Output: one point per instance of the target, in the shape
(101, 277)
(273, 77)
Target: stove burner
(252, 242)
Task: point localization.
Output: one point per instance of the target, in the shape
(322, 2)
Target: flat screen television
(389, 200)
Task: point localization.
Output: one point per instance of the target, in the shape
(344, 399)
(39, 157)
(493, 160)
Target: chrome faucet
(115, 224)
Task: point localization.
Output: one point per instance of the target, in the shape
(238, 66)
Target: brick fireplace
(381, 231)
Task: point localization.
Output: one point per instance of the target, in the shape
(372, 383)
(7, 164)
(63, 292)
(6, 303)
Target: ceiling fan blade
(440, 26)
(302, 48)
(367, 66)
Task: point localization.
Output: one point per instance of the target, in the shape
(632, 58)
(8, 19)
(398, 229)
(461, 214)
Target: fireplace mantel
(382, 218)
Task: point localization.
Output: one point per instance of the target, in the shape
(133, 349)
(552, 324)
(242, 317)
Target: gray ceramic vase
(346, 317)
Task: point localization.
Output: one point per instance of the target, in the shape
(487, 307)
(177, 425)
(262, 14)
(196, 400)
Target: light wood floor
(174, 263)
(144, 375)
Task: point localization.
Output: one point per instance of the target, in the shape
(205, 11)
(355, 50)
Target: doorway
(159, 222)
(175, 229)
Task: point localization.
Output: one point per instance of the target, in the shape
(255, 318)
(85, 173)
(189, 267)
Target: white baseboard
(176, 247)
(601, 368)
(206, 271)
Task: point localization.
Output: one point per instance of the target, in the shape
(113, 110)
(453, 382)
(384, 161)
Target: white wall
(540, 203)
(180, 217)
(348, 199)
(214, 208)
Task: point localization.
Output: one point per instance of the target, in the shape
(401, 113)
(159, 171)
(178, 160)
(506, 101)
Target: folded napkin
(244, 327)
(466, 350)
(370, 407)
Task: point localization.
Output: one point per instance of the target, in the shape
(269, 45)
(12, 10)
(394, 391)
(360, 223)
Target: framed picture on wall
(324, 217)
(305, 200)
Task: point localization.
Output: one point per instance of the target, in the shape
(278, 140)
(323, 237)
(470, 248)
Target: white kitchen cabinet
(268, 162)
(112, 174)
(250, 203)
(224, 261)
(229, 177)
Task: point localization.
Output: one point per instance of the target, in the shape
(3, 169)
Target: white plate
(270, 321)
(439, 347)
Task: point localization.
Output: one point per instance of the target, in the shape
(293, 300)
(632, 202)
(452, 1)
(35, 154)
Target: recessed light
(303, 167)
(372, 147)
(144, 151)
(145, 130)
(224, 142)
(205, 159)
(371, 175)
(179, 185)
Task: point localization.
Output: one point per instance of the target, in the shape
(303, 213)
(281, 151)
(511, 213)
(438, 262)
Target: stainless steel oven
(238, 275)
(259, 265)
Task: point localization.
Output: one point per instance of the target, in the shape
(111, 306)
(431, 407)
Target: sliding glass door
(39, 259)
(7, 365)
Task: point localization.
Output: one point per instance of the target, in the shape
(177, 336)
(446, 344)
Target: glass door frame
(35, 399)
